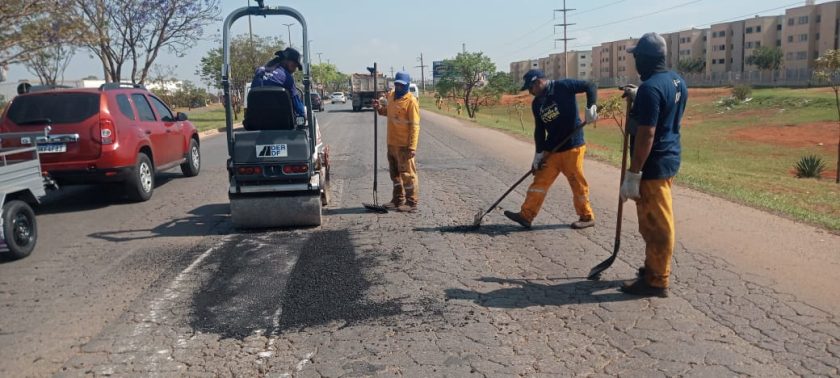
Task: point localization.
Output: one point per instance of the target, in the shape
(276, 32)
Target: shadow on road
(74, 198)
(281, 281)
(528, 294)
(348, 211)
(349, 111)
(491, 229)
(202, 220)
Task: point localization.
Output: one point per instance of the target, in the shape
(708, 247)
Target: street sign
(439, 69)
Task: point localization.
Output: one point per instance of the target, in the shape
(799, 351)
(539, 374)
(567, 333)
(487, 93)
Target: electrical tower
(565, 38)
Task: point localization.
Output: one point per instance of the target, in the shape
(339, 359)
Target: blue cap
(530, 77)
(402, 77)
(651, 44)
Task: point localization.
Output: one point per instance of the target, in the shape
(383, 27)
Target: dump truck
(363, 92)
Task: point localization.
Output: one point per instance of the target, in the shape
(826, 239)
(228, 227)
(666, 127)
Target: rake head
(375, 208)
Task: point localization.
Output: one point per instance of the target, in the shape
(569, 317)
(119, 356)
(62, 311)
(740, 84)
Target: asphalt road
(169, 287)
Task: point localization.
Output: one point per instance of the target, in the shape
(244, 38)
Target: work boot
(393, 205)
(518, 218)
(583, 222)
(407, 208)
(641, 288)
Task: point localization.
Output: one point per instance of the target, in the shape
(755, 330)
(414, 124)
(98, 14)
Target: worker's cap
(651, 44)
(530, 77)
(290, 54)
(402, 77)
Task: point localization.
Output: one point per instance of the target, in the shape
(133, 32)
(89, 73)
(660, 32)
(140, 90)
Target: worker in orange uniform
(403, 112)
(556, 117)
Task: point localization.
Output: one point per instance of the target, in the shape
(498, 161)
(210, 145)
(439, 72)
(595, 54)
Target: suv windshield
(57, 107)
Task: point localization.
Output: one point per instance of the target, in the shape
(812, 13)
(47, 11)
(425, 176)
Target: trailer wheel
(19, 228)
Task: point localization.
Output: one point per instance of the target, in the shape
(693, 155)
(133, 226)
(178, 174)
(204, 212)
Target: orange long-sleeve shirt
(403, 120)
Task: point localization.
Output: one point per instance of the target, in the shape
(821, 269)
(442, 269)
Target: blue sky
(354, 34)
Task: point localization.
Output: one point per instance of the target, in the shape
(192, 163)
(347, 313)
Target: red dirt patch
(801, 135)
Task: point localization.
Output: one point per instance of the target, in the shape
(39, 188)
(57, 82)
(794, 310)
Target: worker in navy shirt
(556, 117)
(279, 72)
(658, 106)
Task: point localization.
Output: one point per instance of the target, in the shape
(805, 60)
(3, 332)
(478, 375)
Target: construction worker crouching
(403, 112)
(658, 106)
(559, 143)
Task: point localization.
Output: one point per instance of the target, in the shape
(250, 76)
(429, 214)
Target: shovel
(595, 273)
(481, 214)
(375, 206)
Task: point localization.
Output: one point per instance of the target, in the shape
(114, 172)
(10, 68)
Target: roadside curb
(208, 133)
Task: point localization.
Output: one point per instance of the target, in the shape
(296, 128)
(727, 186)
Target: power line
(601, 7)
(529, 32)
(565, 38)
(639, 16)
(608, 24)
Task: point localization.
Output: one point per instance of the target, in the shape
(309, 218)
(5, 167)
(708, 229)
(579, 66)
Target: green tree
(497, 84)
(827, 69)
(189, 96)
(691, 65)
(328, 75)
(766, 58)
(241, 61)
(467, 74)
(18, 18)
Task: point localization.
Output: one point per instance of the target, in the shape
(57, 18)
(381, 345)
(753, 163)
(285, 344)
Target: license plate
(272, 150)
(52, 148)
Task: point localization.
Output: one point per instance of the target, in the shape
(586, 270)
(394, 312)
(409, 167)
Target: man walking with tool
(403, 112)
(658, 106)
(559, 144)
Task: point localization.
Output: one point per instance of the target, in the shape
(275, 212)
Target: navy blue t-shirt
(556, 114)
(660, 101)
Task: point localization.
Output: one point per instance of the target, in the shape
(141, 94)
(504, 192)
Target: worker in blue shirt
(658, 106)
(556, 117)
(279, 72)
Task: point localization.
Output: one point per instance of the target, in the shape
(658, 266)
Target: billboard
(439, 69)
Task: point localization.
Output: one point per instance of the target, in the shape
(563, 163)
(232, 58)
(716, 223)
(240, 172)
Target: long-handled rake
(375, 206)
(481, 214)
(595, 273)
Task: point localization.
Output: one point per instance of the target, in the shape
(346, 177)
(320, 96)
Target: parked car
(317, 104)
(118, 133)
(337, 97)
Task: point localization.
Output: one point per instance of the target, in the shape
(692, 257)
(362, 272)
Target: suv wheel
(142, 182)
(192, 166)
(19, 228)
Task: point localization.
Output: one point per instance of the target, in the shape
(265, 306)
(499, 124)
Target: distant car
(317, 104)
(338, 97)
(118, 133)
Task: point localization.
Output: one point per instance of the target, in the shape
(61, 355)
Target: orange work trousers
(656, 224)
(403, 172)
(570, 163)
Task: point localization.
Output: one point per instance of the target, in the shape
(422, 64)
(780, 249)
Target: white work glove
(592, 114)
(630, 186)
(629, 91)
(538, 157)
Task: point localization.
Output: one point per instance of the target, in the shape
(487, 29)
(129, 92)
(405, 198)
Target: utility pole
(251, 40)
(464, 48)
(289, 28)
(565, 38)
(422, 72)
(319, 58)
(392, 71)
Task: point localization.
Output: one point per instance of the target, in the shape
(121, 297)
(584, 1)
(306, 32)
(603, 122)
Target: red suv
(119, 133)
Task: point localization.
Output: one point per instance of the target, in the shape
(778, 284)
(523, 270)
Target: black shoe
(516, 217)
(640, 273)
(641, 288)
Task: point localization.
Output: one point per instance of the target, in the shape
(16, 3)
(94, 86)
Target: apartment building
(595, 67)
(725, 49)
(760, 32)
(583, 65)
(625, 64)
(557, 63)
(518, 69)
(692, 44)
(672, 49)
(807, 32)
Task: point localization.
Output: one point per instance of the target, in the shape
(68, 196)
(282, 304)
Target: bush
(742, 92)
(810, 166)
